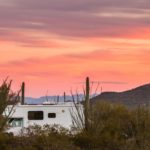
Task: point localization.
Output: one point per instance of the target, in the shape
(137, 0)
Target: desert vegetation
(7, 97)
(112, 127)
(106, 126)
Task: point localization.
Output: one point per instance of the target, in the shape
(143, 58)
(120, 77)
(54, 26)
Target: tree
(7, 97)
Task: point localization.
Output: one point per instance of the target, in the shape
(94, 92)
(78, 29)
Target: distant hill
(137, 96)
(133, 97)
(40, 100)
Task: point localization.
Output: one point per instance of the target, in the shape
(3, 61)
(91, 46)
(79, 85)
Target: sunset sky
(53, 45)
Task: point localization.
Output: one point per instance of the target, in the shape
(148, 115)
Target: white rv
(23, 116)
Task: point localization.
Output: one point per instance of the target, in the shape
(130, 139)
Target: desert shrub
(112, 127)
(115, 127)
(139, 128)
(7, 97)
(46, 138)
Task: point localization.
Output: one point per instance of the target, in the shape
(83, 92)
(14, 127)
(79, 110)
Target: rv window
(35, 115)
(15, 122)
(51, 115)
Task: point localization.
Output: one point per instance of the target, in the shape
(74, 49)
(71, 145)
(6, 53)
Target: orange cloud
(59, 43)
(58, 73)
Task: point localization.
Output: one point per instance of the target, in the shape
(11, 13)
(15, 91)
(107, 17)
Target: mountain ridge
(136, 96)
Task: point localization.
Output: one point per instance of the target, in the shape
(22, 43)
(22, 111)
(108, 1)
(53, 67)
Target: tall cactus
(87, 103)
(64, 96)
(23, 93)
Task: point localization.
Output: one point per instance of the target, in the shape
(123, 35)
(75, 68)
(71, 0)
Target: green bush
(115, 127)
(112, 127)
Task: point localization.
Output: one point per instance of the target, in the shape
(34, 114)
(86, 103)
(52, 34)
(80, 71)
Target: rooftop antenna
(46, 97)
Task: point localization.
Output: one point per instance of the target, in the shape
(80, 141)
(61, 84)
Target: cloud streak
(84, 62)
(87, 18)
(46, 42)
(62, 71)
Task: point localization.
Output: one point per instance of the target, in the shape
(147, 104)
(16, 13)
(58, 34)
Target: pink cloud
(77, 19)
(58, 73)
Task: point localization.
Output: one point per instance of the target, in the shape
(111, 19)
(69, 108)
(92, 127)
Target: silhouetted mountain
(137, 96)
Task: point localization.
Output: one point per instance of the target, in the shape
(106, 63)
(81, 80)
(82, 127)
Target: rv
(23, 116)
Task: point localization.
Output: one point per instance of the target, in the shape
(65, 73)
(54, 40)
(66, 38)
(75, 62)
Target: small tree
(7, 97)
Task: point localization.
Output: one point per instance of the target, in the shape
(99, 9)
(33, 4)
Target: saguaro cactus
(64, 96)
(23, 93)
(87, 103)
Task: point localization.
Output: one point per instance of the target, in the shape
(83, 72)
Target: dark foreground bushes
(36, 138)
(112, 127)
